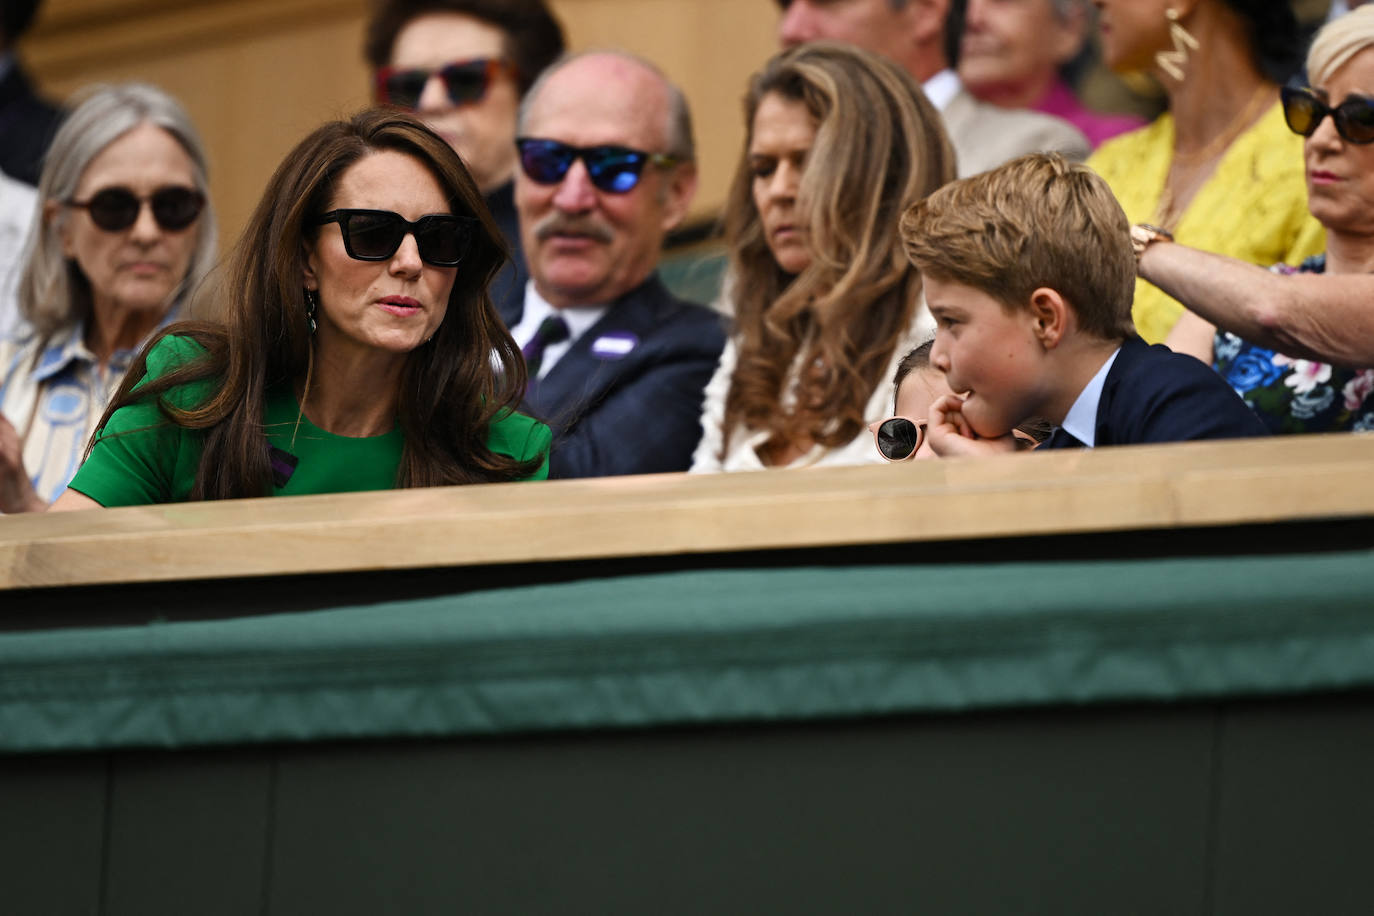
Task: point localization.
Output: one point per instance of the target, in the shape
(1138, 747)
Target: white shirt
(1081, 422)
(942, 88)
(743, 453)
(54, 396)
(18, 208)
(580, 319)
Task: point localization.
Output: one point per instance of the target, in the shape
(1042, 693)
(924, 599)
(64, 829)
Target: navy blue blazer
(508, 286)
(627, 396)
(27, 125)
(1153, 394)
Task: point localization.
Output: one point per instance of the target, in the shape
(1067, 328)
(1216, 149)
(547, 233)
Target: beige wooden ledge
(1123, 489)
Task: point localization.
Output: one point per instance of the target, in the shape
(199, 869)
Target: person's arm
(71, 500)
(16, 490)
(1194, 336)
(1323, 317)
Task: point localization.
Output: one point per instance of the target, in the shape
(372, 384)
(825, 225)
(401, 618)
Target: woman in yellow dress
(1220, 170)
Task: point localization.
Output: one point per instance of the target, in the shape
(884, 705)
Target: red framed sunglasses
(465, 81)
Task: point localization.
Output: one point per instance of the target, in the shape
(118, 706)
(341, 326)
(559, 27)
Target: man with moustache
(617, 364)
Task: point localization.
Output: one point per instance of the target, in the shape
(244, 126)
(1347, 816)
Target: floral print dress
(1296, 395)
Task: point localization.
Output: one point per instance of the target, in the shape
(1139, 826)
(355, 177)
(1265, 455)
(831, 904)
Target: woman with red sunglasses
(360, 349)
(463, 67)
(125, 233)
(1298, 342)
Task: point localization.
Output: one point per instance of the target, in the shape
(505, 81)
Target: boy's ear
(1051, 315)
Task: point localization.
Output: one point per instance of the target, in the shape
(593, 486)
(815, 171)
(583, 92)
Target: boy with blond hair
(1029, 272)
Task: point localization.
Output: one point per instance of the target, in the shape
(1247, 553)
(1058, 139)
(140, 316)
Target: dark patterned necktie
(551, 331)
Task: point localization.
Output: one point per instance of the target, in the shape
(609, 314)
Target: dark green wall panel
(1090, 813)
(52, 815)
(1296, 809)
(188, 833)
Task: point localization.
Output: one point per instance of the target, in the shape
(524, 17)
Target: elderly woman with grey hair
(124, 233)
(1013, 53)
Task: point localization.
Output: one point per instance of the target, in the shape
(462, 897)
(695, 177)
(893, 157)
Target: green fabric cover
(704, 646)
(141, 458)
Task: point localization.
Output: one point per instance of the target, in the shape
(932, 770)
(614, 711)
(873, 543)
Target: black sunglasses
(1304, 110)
(466, 81)
(898, 438)
(116, 209)
(374, 235)
(613, 169)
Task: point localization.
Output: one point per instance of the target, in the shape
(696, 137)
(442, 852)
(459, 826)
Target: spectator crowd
(934, 249)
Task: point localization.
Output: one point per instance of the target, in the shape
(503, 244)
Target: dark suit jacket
(632, 412)
(508, 288)
(27, 125)
(1153, 394)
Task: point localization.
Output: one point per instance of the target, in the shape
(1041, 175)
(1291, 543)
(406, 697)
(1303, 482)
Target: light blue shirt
(54, 392)
(1081, 422)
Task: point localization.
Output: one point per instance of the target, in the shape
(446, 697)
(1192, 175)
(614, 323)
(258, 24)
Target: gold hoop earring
(1173, 62)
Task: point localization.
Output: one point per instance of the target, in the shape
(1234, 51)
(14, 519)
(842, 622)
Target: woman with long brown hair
(840, 143)
(360, 350)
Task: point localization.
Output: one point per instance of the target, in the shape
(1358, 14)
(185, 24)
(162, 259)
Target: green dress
(141, 458)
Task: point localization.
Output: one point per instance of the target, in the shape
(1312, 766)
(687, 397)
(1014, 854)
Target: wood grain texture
(1122, 489)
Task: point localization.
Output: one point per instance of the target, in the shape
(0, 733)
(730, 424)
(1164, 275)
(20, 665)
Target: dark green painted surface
(1257, 807)
(1298, 810)
(884, 817)
(52, 834)
(188, 830)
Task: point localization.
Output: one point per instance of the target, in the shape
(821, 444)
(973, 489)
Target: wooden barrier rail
(1191, 485)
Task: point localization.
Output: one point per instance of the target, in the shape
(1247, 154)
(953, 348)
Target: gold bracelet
(1143, 235)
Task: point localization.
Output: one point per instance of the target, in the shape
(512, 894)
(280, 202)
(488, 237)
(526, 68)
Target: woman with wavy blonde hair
(840, 142)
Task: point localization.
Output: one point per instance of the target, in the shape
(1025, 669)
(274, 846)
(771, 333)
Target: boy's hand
(951, 436)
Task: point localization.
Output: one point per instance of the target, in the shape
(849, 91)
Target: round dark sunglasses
(465, 81)
(374, 235)
(613, 169)
(1304, 111)
(898, 438)
(116, 209)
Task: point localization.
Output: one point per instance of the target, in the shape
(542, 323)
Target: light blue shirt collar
(1081, 422)
(69, 346)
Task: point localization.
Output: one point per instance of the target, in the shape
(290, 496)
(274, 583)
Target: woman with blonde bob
(361, 350)
(124, 234)
(840, 143)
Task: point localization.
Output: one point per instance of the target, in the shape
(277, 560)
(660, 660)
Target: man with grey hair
(913, 33)
(617, 365)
